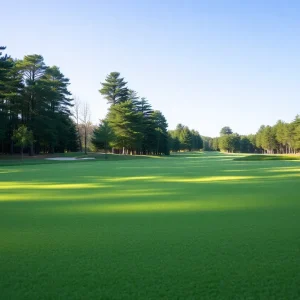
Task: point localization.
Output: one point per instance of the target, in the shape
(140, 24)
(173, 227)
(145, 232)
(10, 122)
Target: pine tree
(103, 136)
(114, 89)
(160, 140)
(124, 121)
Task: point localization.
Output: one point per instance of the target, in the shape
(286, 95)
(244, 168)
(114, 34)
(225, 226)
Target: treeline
(35, 98)
(282, 138)
(182, 138)
(131, 125)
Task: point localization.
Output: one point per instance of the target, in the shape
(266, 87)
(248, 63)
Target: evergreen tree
(186, 139)
(160, 126)
(124, 121)
(114, 89)
(268, 140)
(103, 136)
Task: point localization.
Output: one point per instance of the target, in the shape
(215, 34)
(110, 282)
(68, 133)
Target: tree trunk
(79, 139)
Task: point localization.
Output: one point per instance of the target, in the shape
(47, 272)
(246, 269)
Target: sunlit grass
(49, 186)
(207, 227)
(162, 207)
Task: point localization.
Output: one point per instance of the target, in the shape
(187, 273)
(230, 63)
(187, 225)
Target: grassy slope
(188, 227)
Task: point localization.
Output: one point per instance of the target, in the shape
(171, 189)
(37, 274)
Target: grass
(190, 226)
(259, 157)
(15, 160)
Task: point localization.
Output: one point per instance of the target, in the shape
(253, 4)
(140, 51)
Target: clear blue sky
(205, 64)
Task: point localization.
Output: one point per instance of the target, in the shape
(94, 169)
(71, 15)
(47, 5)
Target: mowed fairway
(193, 226)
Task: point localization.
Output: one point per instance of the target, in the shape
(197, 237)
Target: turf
(15, 160)
(259, 157)
(191, 226)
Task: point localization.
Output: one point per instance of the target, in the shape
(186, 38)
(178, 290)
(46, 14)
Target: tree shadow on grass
(144, 233)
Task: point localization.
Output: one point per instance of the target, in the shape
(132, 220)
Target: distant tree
(103, 136)
(182, 138)
(224, 143)
(125, 122)
(208, 143)
(161, 137)
(225, 131)
(297, 133)
(230, 142)
(179, 127)
(76, 115)
(215, 144)
(186, 139)
(114, 89)
(268, 139)
(85, 120)
(5, 67)
(197, 142)
(290, 137)
(245, 145)
(23, 137)
(280, 135)
(174, 143)
(259, 138)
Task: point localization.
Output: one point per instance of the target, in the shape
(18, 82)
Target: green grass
(258, 157)
(7, 160)
(199, 226)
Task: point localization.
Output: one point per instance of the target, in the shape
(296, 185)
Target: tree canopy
(135, 126)
(35, 95)
(280, 138)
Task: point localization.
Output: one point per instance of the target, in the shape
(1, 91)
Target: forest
(35, 107)
(282, 138)
(38, 114)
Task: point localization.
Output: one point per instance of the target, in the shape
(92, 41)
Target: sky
(205, 64)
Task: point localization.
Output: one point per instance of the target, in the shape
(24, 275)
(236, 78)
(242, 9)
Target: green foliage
(136, 127)
(247, 144)
(5, 68)
(23, 137)
(37, 96)
(160, 140)
(103, 136)
(124, 121)
(278, 139)
(114, 89)
(268, 139)
(230, 142)
(226, 131)
(182, 138)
